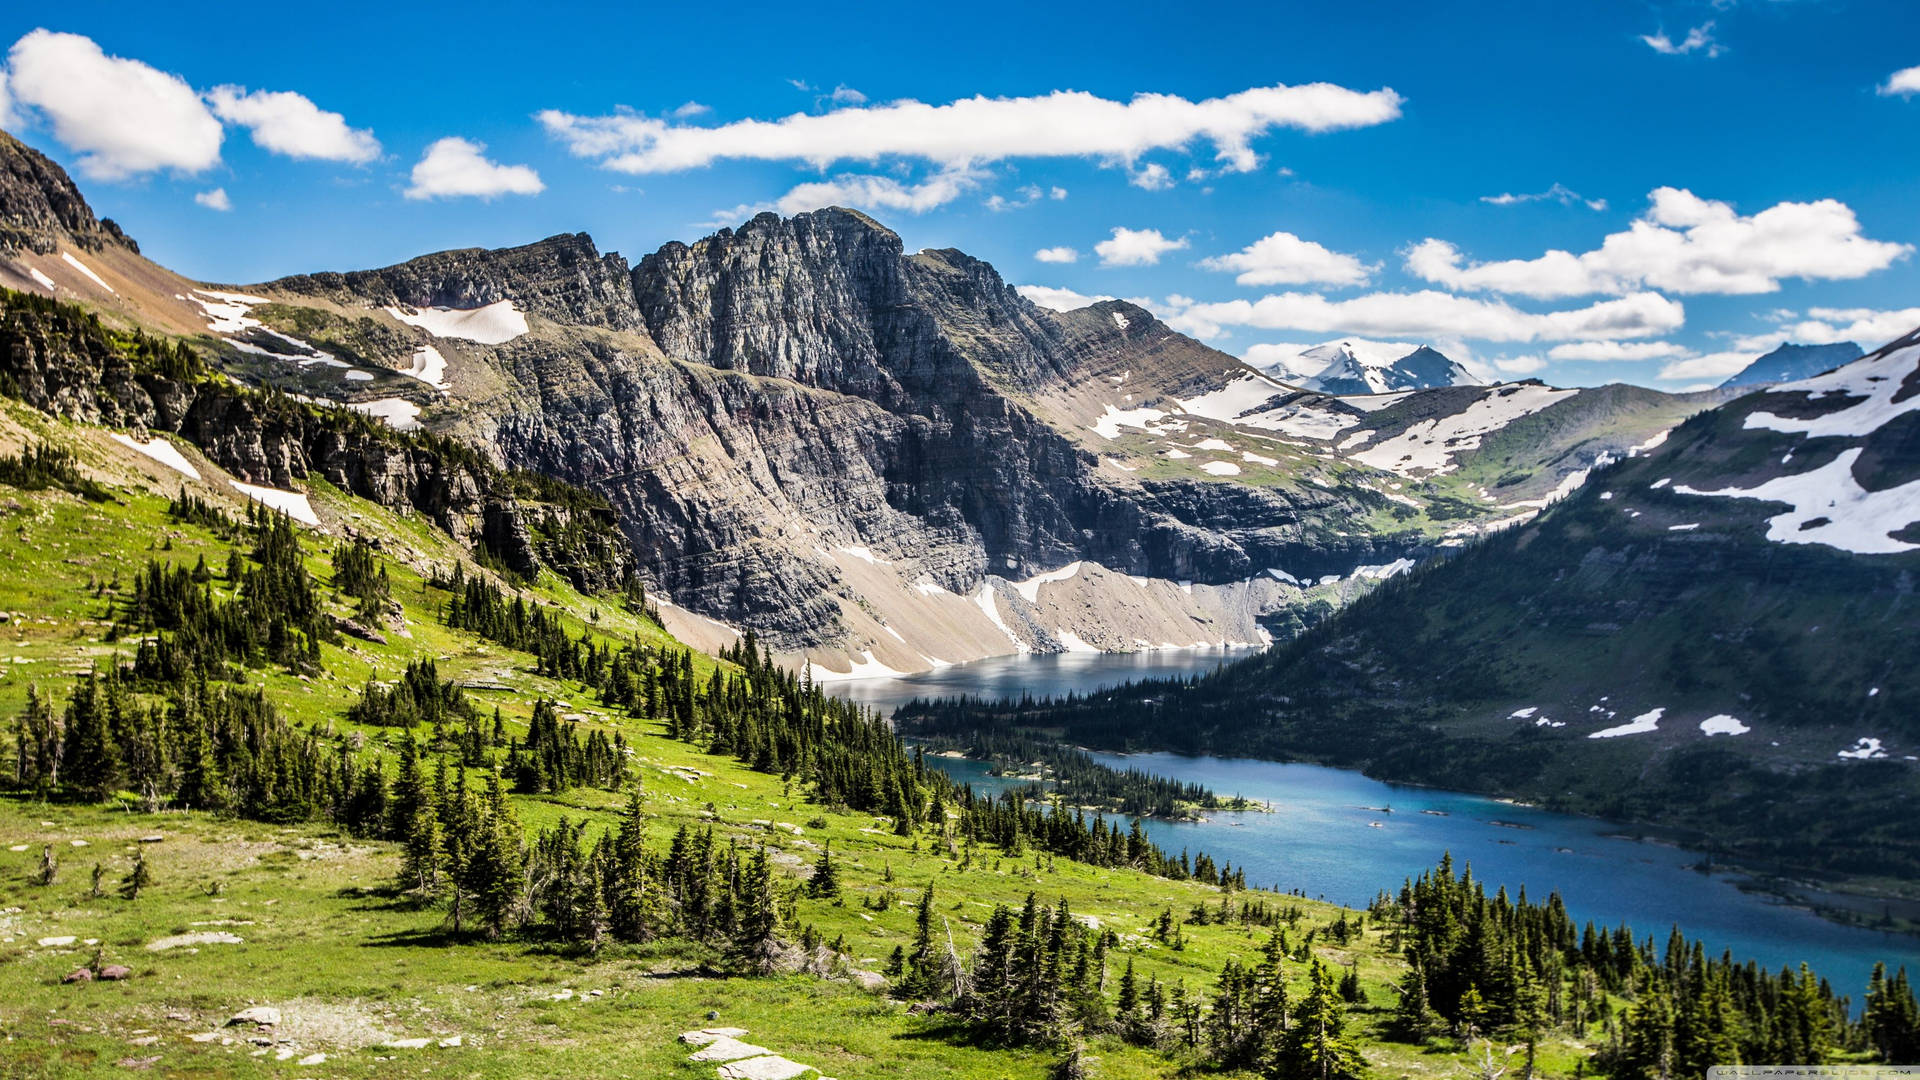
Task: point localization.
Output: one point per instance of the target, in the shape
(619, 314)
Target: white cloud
(1135, 247)
(979, 130)
(1429, 315)
(1519, 365)
(1057, 255)
(287, 123)
(847, 95)
(123, 117)
(880, 192)
(1715, 366)
(1612, 351)
(1683, 244)
(1282, 258)
(1027, 195)
(1056, 193)
(1559, 193)
(691, 109)
(455, 167)
(1058, 299)
(214, 200)
(1865, 327)
(7, 119)
(1698, 38)
(1905, 82)
(1151, 177)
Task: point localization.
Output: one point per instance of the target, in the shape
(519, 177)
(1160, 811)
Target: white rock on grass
(408, 1044)
(727, 1048)
(707, 1035)
(203, 937)
(771, 1067)
(261, 1015)
(57, 942)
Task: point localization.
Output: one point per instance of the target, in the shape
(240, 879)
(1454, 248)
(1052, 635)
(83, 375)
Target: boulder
(258, 1015)
(78, 975)
(115, 972)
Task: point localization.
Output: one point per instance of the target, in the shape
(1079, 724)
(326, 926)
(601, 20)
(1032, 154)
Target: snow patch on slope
(161, 451)
(494, 324)
(1830, 507)
(294, 504)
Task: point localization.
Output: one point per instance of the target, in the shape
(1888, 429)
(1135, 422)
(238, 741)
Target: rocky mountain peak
(563, 278)
(40, 206)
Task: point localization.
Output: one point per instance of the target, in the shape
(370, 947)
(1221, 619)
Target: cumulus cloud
(979, 130)
(880, 192)
(1905, 82)
(214, 200)
(1151, 177)
(1714, 366)
(1058, 299)
(1615, 351)
(7, 119)
(1430, 315)
(1282, 258)
(454, 167)
(287, 123)
(123, 117)
(1519, 365)
(1061, 254)
(1025, 197)
(1135, 247)
(1699, 38)
(1867, 327)
(1683, 244)
(1559, 193)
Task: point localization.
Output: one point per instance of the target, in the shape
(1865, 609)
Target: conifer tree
(1316, 1046)
(137, 878)
(825, 883)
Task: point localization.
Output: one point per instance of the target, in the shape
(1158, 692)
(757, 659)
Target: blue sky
(1718, 176)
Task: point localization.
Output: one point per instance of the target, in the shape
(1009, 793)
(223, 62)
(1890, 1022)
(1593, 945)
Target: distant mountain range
(1717, 635)
(1790, 362)
(1355, 366)
(878, 461)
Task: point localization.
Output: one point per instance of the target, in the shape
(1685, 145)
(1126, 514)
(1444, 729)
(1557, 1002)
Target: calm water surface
(1342, 836)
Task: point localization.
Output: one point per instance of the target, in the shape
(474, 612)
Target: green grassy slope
(351, 967)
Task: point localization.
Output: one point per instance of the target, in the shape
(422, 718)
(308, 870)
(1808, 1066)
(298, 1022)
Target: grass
(350, 967)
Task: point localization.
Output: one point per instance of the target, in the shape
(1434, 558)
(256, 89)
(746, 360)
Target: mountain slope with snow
(1789, 362)
(1717, 636)
(1357, 366)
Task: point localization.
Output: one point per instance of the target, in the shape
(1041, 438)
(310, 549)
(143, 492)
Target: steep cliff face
(562, 278)
(39, 205)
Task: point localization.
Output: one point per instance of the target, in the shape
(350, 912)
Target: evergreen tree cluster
(1515, 969)
(1081, 780)
(276, 613)
(359, 575)
(42, 466)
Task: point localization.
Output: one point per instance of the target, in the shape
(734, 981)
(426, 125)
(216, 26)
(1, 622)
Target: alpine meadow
(1292, 541)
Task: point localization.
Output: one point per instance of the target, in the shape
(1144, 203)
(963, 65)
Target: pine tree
(825, 883)
(1315, 1046)
(137, 879)
(756, 942)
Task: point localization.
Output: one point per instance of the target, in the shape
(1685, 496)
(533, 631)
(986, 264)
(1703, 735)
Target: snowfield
(495, 324)
(1220, 468)
(161, 451)
(87, 270)
(1864, 749)
(43, 279)
(429, 367)
(1030, 588)
(1241, 402)
(1830, 507)
(1639, 725)
(1877, 379)
(1145, 419)
(1723, 725)
(1428, 446)
(294, 504)
(399, 413)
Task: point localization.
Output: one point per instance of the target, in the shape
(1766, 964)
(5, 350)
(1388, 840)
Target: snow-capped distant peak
(1357, 366)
